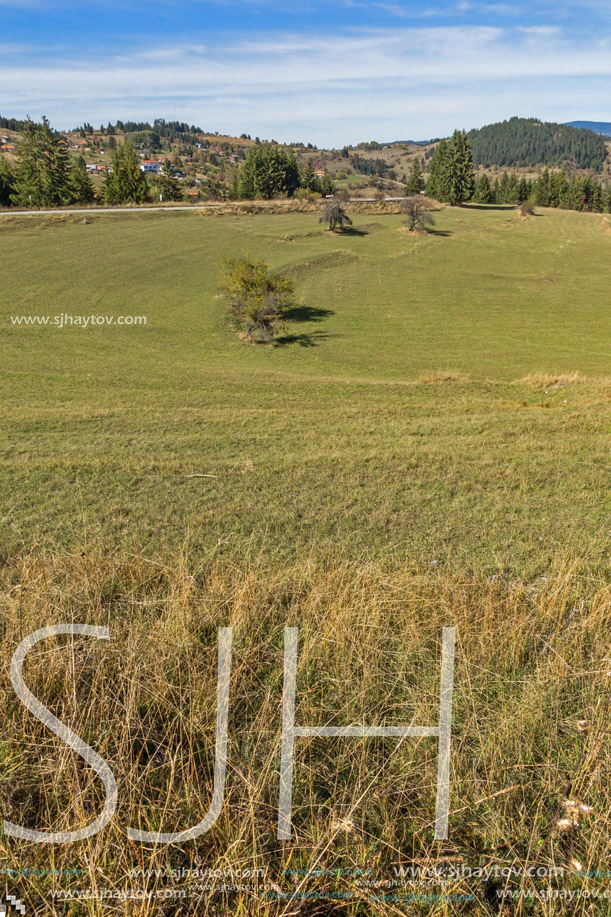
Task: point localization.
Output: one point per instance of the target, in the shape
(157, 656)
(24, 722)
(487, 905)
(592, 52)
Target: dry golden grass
(530, 730)
(548, 380)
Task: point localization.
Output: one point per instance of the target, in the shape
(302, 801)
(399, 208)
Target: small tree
(255, 297)
(167, 183)
(335, 216)
(416, 210)
(415, 182)
(6, 183)
(126, 184)
(82, 187)
(483, 192)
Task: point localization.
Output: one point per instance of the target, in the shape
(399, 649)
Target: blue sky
(330, 72)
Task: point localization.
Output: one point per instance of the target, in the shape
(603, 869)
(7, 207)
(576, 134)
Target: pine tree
(512, 189)
(234, 193)
(6, 182)
(126, 183)
(573, 198)
(558, 187)
(543, 189)
(415, 182)
(309, 179)
(523, 190)
(483, 192)
(461, 171)
(80, 183)
(269, 172)
(43, 174)
(168, 185)
(438, 186)
(504, 196)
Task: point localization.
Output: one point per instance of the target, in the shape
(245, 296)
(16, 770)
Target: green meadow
(388, 422)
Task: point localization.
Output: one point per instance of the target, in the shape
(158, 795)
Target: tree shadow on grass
(305, 314)
(470, 206)
(352, 231)
(303, 340)
(437, 232)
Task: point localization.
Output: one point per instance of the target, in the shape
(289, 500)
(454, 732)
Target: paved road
(93, 210)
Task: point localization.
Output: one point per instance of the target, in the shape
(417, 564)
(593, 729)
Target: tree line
(45, 175)
(451, 179)
(550, 189)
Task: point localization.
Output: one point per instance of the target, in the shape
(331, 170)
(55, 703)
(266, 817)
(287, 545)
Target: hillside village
(208, 165)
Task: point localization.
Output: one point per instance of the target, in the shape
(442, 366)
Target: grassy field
(426, 445)
(339, 435)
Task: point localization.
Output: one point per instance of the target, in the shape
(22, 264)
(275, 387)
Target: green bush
(256, 298)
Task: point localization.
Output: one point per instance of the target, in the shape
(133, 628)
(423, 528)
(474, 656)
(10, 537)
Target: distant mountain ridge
(599, 127)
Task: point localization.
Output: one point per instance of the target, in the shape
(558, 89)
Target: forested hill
(528, 142)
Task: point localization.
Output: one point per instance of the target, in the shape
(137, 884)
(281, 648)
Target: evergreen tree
(309, 179)
(327, 186)
(268, 172)
(504, 192)
(461, 171)
(81, 185)
(415, 182)
(573, 197)
(438, 186)
(496, 191)
(523, 190)
(592, 195)
(483, 192)
(543, 189)
(126, 183)
(6, 183)
(43, 174)
(512, 189)
(167, 184)
(234, 193)
(558, 187)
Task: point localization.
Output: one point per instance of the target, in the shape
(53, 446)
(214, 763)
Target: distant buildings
(150, 165)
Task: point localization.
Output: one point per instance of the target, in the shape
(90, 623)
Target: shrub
(417, 210)
(255, 297)
(335, 216)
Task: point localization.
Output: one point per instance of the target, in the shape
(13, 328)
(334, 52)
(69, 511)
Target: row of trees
(551, 189)
(451, 179)
(45, 174)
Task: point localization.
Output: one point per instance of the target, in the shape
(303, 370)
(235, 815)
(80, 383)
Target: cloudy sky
(326, 71)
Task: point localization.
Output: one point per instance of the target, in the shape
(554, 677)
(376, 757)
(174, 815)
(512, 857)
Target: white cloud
(384, 83)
